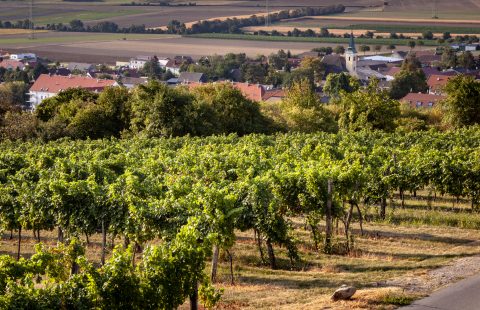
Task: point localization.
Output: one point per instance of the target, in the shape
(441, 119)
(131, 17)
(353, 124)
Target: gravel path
(458, 269)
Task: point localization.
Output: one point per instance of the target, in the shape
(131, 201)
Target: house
(47, 86)
(399, 54)
(60, 71)
(419, 100)
(364, 74)
(131, 82)
(273, 95)
(23, 56)
(436, 83)
(12, 64)
(390, 73)
(428, 58)
(163, 62)
(139, 62)
(465, 47)
(191, 77)
(333, 64)
(173, 65)
(79, 66)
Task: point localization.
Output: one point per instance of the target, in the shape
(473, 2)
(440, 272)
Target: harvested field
(356, 32)
(18, 31)
(399, 20)
(111, 47)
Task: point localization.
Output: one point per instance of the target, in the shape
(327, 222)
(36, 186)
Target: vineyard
(176, 203)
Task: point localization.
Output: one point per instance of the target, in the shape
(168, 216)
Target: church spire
(352, 43)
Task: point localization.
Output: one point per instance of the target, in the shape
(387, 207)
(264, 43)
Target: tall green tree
(462, 104)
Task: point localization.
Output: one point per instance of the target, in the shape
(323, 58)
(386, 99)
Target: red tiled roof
(274, 93)
(421, 100)
(437, 82)
(392, 71)
(12, 64)
(57, 83)
(253, 92)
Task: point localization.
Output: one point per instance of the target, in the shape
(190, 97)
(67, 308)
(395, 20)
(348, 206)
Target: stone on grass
(343, 293)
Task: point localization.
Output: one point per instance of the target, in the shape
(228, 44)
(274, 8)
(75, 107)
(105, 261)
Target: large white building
(47, 86)
(139, 62)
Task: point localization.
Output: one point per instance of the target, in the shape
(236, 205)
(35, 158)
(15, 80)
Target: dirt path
(437, 278)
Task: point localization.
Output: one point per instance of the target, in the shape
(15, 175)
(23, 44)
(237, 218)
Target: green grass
(85, 16)
(366, 41)
(74, 38)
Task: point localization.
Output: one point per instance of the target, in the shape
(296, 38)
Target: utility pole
(31, 26)
(267, 17)
(434, 10)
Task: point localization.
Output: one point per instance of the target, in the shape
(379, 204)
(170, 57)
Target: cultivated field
(393, 262)
(96, 47)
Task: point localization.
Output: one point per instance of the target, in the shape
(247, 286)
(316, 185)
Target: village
(259, 79)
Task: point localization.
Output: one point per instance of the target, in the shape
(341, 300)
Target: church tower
(351, 57)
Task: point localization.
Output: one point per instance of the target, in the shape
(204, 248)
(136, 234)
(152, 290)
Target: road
(463, 295)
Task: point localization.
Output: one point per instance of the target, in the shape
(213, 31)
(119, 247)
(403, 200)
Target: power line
(31, 26)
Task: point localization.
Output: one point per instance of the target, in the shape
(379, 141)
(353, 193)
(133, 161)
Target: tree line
(192, 193)
(156, 110)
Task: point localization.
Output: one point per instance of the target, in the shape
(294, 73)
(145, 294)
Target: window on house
(419, 103)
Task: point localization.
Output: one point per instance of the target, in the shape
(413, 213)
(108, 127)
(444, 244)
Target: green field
(85, 16)
(227, 36)
(68, 37)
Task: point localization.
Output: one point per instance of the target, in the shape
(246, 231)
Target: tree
(324, 32)
(412, 44)
(221, 108)
(407, 81)
(466, 60)
(449, 58)
(158, 110)
(446, 35)
(152, 68)
(339, 49)
(391, 47)
(378, 48)
(427, 35)
(411, 63)
(364, 48)
(463, 101)
(369, 108)
(338, 82)
(303, 111)
(76, 25)
(316, 65)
